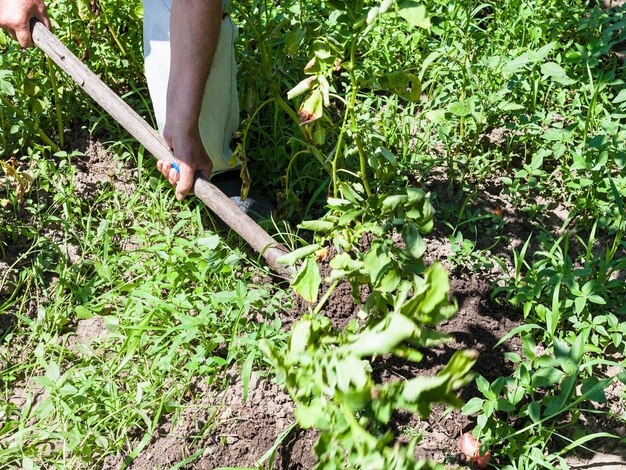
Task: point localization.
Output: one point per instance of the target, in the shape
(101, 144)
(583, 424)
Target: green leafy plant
(329, 376)
(560, 292)
(327, 372)
(525, 416)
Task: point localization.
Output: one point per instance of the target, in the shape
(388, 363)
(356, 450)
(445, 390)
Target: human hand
(15, 16)
(190, 156)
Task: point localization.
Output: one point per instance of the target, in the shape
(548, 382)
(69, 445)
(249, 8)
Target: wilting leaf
(312, 108)
(301, 87)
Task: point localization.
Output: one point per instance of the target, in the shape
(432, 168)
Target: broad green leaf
(596, 299)
(593, 389)
(6, 87)
(317, 225)
(513, 357)
(565, 358)
(414, 13)
(504, 405)
(392, 202)
(421, 391)
(483, 387)
(308, 280)
(338, 203)
(473, 406)
(316, 415)
(389, 280)
(383, 337)
(43, 382)
(546, 377)
(299, 338)
(413, 240)
(83, 313)
(438, 287)
(291, 258)
(349, 217)
(353, 371)
(345, 262)
(580, 303)
(534, 411)
(459, 109)
(53, 372)
(375, 261)
(416, 195)
(211, 243)
(621, 97)
(556, 73)
(436, 116)
(510, 106)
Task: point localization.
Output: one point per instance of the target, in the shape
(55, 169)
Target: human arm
(194, 33)
(15, 16)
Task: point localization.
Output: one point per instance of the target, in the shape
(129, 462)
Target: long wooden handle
(208, 193)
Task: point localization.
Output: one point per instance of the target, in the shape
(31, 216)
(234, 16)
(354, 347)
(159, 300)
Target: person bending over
(191, 74)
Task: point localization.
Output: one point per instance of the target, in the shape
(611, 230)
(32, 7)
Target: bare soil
(223, 430)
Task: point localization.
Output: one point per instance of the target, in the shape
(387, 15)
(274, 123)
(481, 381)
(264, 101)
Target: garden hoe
(208, 193)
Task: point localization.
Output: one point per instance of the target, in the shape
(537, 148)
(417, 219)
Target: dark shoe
(254, 205)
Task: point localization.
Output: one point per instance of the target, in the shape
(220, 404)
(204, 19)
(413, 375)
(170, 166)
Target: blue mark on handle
(176, 167)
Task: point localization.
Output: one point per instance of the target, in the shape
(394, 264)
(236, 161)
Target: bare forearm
(194, 33)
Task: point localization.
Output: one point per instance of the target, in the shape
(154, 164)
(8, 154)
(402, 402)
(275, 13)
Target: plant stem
(110, 28)
(57, 103)
(327, 295)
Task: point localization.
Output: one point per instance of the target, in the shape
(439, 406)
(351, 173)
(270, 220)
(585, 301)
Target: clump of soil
(613, 3)
(7, 321)
(98, 166)
(87, 331)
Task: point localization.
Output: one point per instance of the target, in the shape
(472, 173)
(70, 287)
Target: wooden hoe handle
(208, 193)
